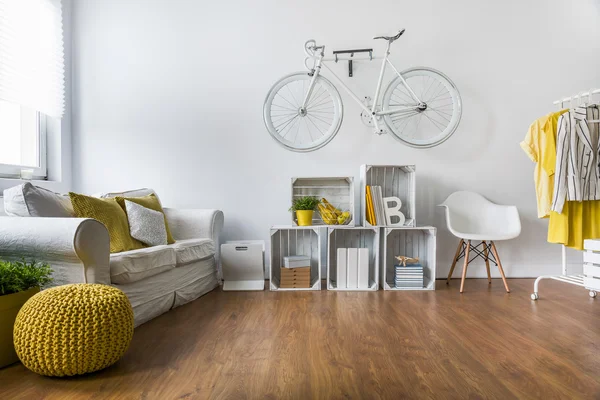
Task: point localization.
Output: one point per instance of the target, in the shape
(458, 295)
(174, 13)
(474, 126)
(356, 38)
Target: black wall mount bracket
(351, 52)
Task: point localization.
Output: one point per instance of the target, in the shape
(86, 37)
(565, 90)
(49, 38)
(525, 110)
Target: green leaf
(18, 276)
(305, 203)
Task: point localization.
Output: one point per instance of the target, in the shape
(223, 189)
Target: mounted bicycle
(421, 107)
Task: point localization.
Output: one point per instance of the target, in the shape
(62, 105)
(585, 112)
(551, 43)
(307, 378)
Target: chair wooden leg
(466, 263)
(487, 262)
(495, 251)
(458, 249)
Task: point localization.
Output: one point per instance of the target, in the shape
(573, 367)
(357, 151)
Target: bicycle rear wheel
(437, 118)
(303, 129)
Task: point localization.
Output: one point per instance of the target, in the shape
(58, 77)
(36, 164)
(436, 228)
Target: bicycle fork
(315, 73)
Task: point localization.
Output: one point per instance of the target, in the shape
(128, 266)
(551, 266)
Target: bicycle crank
(367, 117)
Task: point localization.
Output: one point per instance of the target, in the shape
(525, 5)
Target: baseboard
(518, 270)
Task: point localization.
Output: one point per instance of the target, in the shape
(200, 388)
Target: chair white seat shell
(472, 217)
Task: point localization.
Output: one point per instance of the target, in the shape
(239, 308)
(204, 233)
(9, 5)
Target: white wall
(59, 131)
(169, 95)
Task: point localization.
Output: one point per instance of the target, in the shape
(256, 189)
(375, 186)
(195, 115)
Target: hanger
(590, 98)
(572, 101)
(591, 104)
(580, 102)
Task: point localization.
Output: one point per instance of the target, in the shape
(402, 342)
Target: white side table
(243, 264)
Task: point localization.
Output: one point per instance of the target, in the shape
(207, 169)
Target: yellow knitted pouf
(73, 329)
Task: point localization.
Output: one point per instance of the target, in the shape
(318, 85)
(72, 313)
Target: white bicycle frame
(321, 62)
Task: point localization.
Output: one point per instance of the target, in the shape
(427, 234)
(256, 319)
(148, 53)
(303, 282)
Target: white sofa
(155, 279)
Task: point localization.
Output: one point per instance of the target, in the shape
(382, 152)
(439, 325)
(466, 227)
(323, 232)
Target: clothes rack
(577, 279)
(578, 96)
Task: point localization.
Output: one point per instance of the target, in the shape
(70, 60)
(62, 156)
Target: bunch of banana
(331, 215)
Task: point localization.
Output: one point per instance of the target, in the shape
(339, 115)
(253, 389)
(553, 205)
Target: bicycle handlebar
(310, 48)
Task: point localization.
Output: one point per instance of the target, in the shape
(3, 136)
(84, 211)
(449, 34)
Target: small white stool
(243, 265)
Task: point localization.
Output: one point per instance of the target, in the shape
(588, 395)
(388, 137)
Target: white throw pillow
(146, 225)
(129, 193)
(27, 200)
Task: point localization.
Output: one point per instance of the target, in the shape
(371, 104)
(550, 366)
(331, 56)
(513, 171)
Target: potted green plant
(19, 280)
(304, 208)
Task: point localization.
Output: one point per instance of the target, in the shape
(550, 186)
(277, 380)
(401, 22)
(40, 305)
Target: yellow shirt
(540, 145)
(548, 157)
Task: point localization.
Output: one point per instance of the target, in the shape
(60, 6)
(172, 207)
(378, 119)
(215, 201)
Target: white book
(296, 261)
(378, 206)
(342, 262)
(352, 272)
(374, 199)
(382, 207)
(375, 202)
(363, 268)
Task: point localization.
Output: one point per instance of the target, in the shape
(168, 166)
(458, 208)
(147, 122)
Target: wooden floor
(360, 345)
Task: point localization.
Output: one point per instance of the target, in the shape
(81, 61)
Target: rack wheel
(593, 294)
(535, 296)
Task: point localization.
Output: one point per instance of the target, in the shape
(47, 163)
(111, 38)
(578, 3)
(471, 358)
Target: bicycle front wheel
(303, 129)
(429, 123)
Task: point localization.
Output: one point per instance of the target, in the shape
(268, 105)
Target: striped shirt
(577, 172)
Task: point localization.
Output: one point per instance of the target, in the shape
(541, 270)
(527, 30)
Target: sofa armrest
(197, 223)
(78, 249)
(194, 223)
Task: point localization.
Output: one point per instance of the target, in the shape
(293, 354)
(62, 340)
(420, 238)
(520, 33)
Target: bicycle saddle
(391, 38)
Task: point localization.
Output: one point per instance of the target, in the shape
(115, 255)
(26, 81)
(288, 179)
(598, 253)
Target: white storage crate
(339, 191)
(591, 266)
(293, 241)
(410, 242)
(395, 181)
(353, 237)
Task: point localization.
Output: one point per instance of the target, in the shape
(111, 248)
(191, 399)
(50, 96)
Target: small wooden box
(295, 277)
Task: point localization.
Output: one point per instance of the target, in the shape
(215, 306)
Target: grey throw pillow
(27, 200)
(146, 225)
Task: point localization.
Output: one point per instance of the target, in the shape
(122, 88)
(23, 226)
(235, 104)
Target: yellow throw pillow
(151, 202)
(108, 212)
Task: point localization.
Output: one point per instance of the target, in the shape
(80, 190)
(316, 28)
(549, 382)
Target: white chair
(471, 217)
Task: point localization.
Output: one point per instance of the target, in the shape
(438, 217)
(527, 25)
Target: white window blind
(31, 55)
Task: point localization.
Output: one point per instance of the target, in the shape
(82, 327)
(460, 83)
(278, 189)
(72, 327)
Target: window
(22, 140)
(31, 81)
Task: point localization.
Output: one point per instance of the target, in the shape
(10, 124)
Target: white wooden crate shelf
(339, 191)
(353, 237)
(395, 181)
(411, 242)
(591, 266)
(294, 241)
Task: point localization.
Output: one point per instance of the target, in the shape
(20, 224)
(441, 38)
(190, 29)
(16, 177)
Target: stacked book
(352, 268)
(374, 206)
(409, 276)
(295, 272)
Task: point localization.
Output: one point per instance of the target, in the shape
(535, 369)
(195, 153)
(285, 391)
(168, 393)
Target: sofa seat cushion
(134, 265)
(190, 250)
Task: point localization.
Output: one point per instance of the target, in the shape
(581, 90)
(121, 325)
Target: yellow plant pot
(10, 305)
(304, 217)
